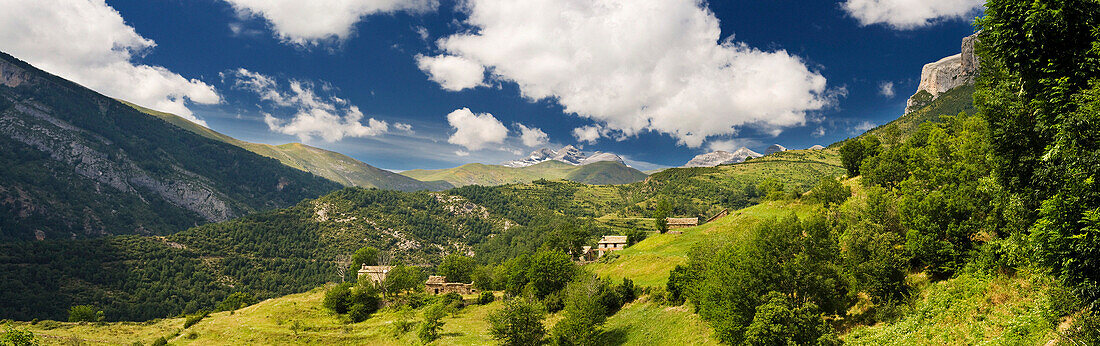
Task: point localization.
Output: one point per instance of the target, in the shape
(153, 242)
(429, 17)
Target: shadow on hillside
(615, 336)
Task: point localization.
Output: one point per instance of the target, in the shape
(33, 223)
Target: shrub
(336, 299)
(627, 291)
(433, 322)
(362, 302)
(17, 337)
(485, 298)
(83, 313)
(161, 341)
(235, 301)
(192, 319)
(830, 192)
(518, 323)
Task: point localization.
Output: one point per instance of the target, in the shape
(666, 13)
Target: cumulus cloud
(307, 23)
(451, 72)
(403, 127)
(88, 42)
(863, 127)
(819, 132)
(532, 136)
(635, 66)
(588, 134)
(330, 118)
(910, 14)
(730, 144)
(886, 89)
(474, 131)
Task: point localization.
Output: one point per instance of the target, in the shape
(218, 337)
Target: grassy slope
(273, 322)
(972, 309)
(952, 102)
(491, 175)
(328, 164)
(649, 261)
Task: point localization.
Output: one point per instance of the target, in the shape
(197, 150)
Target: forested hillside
(266, 254)
(78, 164)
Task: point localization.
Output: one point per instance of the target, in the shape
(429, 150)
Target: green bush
(17, 337)
(485, 298)
(83, 313)
(433, 322)
(195, 318)
(337, 298)
(518, 323)
(161, 341)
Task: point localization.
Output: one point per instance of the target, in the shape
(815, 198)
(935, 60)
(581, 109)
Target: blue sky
(404, 84)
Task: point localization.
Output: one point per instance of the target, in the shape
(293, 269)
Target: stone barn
(684, 222)
(610, 243)
(437, 284)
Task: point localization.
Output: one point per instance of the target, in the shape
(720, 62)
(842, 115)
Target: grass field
(300, 319)
(649, 261)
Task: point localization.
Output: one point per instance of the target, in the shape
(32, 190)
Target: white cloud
(588, 134)
(532, 136)
(88, 42)
(886, 89)
(910, 14)
(307, 23)
(462, 153)
(451, 72)
(403, 127)
(636, 66)
(863, 127)
(474, 131)
(819, 132)
(330, 118)
(730, 144)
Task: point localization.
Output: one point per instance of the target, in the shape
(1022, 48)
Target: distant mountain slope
(605, 173)
(599, 173)
(331, 165)
(76, 163)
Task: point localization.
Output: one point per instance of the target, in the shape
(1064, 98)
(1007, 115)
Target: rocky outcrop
(951, 72)
(92, 157)
(11, 75)
(720, 157)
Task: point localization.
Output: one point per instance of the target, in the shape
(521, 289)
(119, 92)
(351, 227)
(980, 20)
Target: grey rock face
(93, 157)
(951, 72)
(720, 157)
(569, 154)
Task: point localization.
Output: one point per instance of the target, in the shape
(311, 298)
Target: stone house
(437, 284)
(610, 243)
(376, 274)
(674, 223)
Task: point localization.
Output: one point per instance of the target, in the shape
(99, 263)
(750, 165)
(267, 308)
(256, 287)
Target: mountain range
(568, 154)
(595, 173)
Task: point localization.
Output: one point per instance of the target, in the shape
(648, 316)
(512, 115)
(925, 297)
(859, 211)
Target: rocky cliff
(948, 73)
(76, 163)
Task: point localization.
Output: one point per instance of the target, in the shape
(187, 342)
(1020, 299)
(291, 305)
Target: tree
(1039, 89)
(337, 298)
(362, 302)
(585, 312)
(366, 255)
(518, 323)
(829, 191)
(779, 322)
(83, 313)
(854, 151)
(457, 268)
(660, 215)
(403, 279)
(433, 322)
(550, 271)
